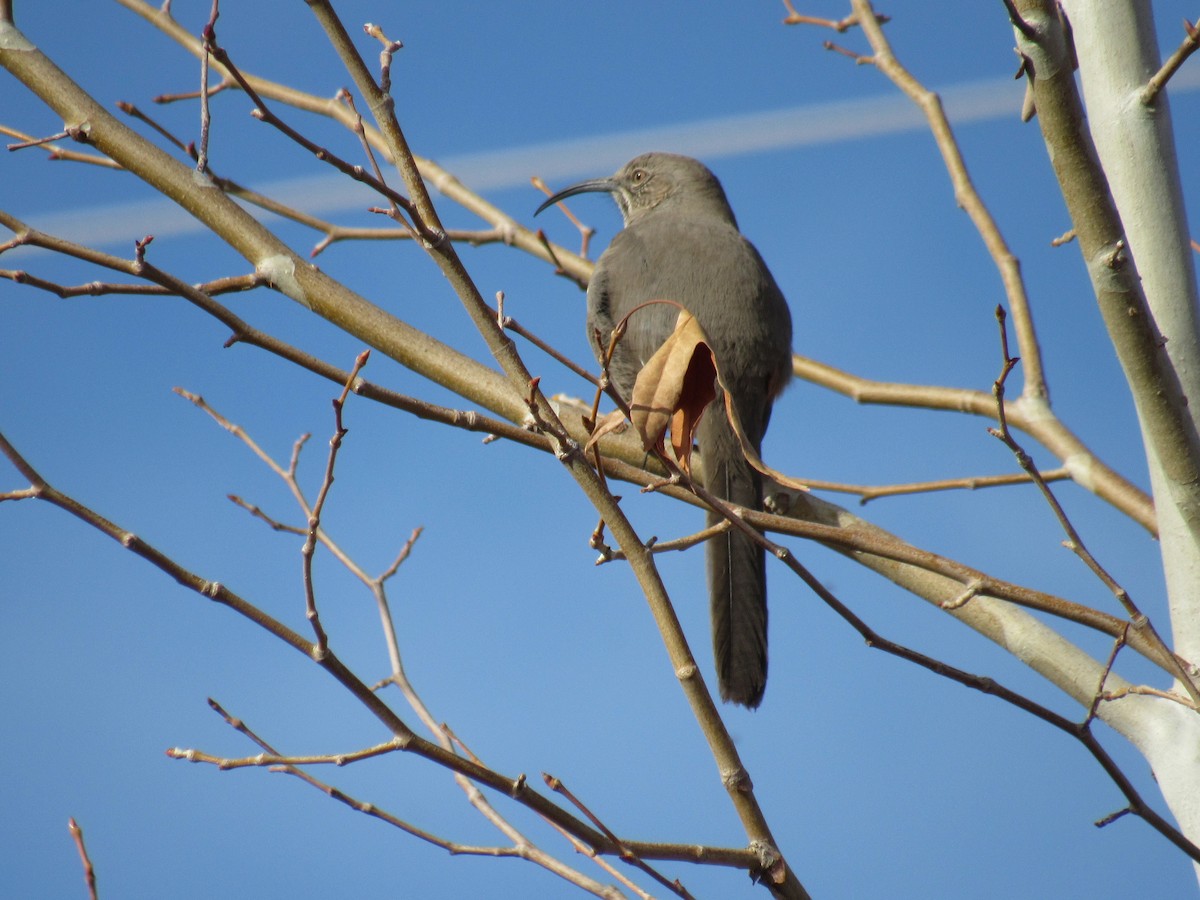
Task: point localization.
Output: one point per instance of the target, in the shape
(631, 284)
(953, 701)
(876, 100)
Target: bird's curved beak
(596, 185)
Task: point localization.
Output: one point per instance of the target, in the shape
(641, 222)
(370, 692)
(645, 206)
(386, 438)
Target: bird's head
(655, 181)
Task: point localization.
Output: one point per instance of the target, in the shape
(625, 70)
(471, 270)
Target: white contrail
(818, 123)
(709, 139)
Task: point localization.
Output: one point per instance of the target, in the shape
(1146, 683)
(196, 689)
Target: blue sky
(878, 778)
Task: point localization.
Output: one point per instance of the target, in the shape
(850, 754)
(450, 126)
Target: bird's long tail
(737, 577)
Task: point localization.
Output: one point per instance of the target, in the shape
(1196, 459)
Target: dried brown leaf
(674, 388)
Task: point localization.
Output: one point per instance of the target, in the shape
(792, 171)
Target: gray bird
(681, 242)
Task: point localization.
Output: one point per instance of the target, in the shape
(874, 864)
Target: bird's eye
(638, 176)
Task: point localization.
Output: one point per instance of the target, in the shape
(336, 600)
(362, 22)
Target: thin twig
(552, 252)
(209, 38)
(867, 493)
(1158, 81)
(838, 25)
(89, 871)
(586, 232)
(224, 85)
(390, 48)
(136, 113)
(677, 544)
(336, 233)
(57, 153)
(859, 58)
(511, 324)
(393, 210)
(1142, 690)
(229, 284)
(38, 142)
(556, 785)
(264, 760)
(308, 551)
(369, 809)
(1101, 694)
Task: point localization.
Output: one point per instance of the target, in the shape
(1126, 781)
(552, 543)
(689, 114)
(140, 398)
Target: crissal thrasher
(681, 242)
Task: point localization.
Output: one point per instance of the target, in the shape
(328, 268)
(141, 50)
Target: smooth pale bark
(1117, 51)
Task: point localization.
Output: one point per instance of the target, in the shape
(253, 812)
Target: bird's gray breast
(709, 268)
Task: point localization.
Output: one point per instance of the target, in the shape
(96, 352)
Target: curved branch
(965, 194)
(1027, 414)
